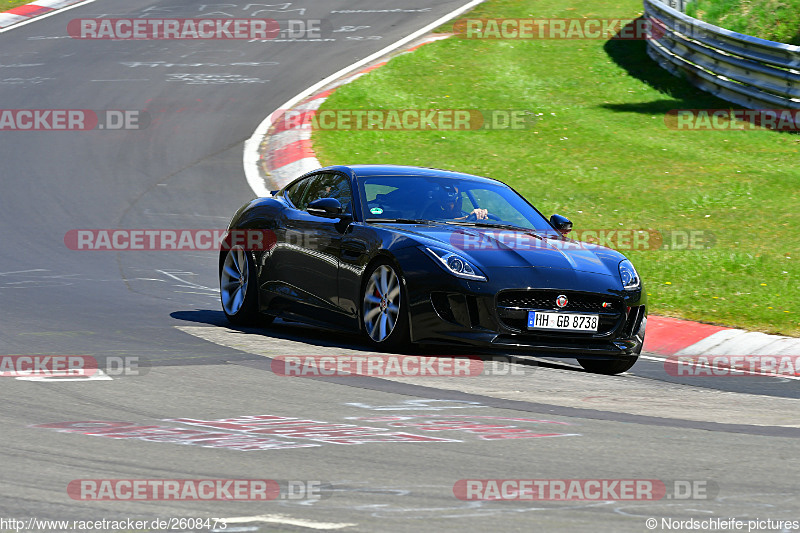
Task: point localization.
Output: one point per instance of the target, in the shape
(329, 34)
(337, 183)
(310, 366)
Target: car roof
(364, 171)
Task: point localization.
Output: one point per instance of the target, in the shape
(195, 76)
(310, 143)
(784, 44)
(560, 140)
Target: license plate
(562, 321)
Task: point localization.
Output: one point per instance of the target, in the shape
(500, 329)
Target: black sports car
(408, 254)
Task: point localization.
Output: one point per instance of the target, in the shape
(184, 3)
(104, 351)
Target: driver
(449, 206)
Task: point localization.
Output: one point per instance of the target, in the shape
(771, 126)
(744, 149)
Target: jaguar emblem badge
(561, 301)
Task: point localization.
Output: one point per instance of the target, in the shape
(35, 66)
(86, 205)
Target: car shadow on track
(333, 338)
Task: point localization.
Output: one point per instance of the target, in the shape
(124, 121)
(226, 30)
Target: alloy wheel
(381, 303)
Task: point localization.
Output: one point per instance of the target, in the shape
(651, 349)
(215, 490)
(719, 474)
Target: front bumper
(478, 315)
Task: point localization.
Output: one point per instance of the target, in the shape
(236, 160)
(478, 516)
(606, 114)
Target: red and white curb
(672, 336)
(286, 151)
(296, 149)
(27, 12)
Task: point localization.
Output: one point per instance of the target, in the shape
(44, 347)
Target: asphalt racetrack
(345, 453)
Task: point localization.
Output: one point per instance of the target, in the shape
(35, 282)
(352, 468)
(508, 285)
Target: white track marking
(189, 284)
(282, 519)
(23, 272)
(40, 17)
(98, 375)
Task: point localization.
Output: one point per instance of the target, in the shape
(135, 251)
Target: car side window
(329, 186)
(295, 192)
(498, 206)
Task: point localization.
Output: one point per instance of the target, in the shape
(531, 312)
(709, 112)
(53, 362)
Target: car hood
(500, 247)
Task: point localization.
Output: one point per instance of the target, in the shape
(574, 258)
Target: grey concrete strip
(582, 393)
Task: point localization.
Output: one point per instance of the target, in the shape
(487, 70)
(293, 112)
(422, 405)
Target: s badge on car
(561, 301)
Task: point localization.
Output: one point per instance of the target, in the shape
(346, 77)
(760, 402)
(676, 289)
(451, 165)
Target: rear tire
(238, 287)
(384, 310)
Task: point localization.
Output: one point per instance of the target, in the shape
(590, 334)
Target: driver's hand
(480, 214)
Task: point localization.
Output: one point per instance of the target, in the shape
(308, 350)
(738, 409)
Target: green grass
(601, 154)
(775, 20)
(5, 5)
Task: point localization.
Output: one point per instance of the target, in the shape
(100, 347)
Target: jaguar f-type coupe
(417, 255)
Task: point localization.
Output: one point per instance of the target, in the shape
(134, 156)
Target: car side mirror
(326, 208)
(562, 224)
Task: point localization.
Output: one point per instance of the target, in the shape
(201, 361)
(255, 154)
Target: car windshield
(410, 199)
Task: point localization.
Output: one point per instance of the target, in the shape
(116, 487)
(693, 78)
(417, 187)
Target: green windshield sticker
(376, 210)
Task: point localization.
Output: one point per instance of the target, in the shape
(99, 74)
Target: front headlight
(455, 264)
(628, 275)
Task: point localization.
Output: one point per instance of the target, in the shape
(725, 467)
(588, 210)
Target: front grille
(546, 299)
(513, 307)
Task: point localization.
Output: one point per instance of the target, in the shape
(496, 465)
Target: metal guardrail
(752, 72)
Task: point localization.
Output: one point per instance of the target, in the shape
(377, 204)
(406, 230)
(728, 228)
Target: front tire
(608, 367)
(384, 315)
(238, 287)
